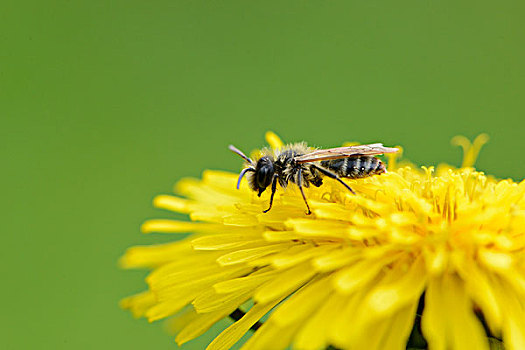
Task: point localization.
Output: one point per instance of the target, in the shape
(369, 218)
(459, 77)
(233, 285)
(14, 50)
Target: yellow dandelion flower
(417, 256)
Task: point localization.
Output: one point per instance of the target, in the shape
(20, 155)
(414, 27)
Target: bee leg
(333, 176)
(300, 184)
(274, 188)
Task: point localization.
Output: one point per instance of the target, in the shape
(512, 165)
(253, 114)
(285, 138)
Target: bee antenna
(237, 151)
(241, 175)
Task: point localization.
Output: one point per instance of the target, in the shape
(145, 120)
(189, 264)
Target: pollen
(436, 249)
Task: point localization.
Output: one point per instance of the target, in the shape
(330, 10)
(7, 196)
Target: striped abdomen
(355, 167)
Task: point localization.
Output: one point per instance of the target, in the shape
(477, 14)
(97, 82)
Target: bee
(303, 165)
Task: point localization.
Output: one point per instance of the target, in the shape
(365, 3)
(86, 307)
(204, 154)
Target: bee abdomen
(355, 167)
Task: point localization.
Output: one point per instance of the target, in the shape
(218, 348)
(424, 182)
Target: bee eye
(265, 174)
(264, 177)
(261, 175)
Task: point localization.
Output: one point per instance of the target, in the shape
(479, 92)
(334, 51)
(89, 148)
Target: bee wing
(345, 152)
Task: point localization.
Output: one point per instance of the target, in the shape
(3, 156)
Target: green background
(105, 104)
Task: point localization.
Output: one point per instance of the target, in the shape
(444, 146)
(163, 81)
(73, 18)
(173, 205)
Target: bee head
(263, 175)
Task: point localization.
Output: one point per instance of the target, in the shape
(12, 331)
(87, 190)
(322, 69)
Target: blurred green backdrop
(105, 104)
